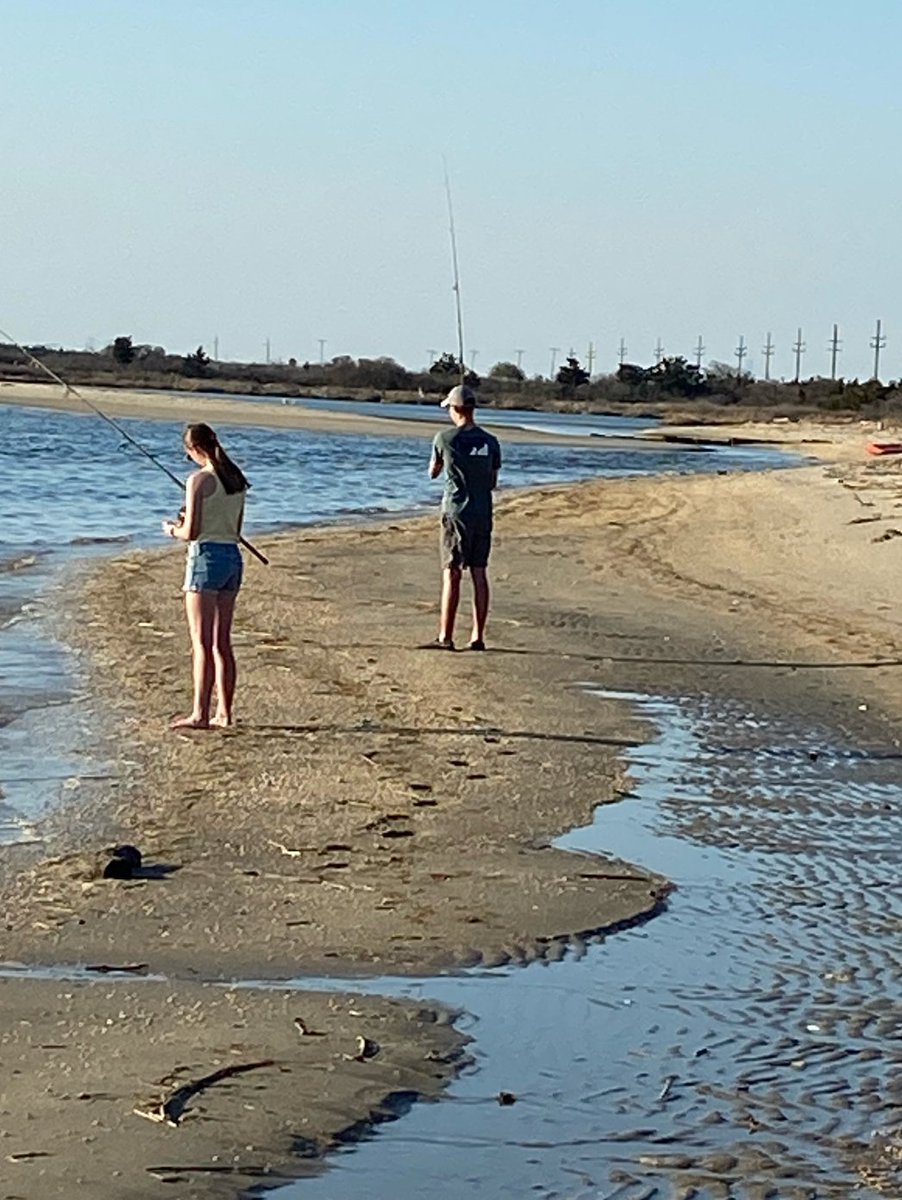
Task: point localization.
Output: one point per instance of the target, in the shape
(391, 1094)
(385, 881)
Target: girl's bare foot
(189, 722)
(221, 722)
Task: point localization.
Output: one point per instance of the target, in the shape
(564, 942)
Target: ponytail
(202, 437)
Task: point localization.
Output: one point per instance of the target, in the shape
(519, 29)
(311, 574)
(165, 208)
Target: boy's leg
(450, 601)
(481, 596)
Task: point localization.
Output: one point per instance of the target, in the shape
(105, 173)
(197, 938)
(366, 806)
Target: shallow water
(742, 1044)
(567, 424)
(735, 1044)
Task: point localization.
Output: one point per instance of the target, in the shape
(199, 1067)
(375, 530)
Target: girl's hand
(169, 528)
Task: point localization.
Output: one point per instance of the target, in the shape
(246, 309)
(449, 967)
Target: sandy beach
(380, 807)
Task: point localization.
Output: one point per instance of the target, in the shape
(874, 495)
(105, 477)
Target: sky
(230, 171)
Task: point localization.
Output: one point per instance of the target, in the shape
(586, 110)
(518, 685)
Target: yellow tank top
(220, 514)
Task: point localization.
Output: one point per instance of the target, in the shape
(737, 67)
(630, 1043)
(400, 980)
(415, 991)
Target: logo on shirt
(479, 452)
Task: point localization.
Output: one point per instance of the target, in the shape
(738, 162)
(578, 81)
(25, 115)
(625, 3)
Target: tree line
(671, 383)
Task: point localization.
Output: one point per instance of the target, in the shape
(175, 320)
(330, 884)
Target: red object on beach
(884, 447)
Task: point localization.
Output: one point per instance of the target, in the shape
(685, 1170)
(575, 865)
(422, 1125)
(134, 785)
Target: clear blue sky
(181, 170)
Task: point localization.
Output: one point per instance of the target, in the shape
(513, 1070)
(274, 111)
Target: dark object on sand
(124, 968)
(123, 864)
(118, 868)
(129, 854)
(506, 1099)
(366, 1049)
(171, 1110)
(304, 1029)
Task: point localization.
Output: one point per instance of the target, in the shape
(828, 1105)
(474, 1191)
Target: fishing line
(456, 287)
(69, 390)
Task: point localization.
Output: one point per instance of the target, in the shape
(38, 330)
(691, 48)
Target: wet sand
(89, 1067)
(387, 808)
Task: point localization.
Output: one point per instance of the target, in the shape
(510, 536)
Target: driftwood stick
(171, 1110)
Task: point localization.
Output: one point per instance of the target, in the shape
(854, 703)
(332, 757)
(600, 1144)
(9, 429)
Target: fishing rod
(69, 390)
(456, 286)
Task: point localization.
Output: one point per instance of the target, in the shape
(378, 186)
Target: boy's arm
(496, 463)
(436, 462)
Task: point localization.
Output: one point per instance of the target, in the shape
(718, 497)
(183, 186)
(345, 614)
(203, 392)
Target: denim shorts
(213, 567)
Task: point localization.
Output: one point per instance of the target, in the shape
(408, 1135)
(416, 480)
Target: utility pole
(835, 344)
(741, 351)
(555, 351)
(768, 353)
(267, 350)
(590, 358)
(216, 349)
(432, 355)
(878, 341)
(621, 353)
(799, 348)
(322, 351)
(473, 354)
(519, 354)
(659, 352)
(699, 352)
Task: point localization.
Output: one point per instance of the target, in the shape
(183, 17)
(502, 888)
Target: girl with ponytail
(211, 525)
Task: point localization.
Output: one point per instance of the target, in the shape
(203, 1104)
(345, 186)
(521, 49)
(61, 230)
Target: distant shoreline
(190, 406)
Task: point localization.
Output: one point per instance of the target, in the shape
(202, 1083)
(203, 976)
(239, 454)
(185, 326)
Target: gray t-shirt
(471, 457)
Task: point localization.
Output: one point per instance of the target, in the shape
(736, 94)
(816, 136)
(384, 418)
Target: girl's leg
(224, 657)
(200, 609)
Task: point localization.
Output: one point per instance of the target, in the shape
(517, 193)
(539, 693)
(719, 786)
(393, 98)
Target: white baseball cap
(460, 397)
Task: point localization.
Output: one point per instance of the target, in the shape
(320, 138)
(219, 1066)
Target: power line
(622, 352)
(659, 352)
(555, 351)
(741, 351)
(699, 352)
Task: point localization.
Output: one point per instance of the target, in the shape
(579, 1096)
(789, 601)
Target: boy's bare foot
(188, 722)
(221, 722)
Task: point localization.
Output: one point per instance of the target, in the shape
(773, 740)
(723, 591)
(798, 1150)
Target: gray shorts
(465, 545)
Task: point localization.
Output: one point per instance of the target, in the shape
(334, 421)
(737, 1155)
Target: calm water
(737, 1046)
(567, 424)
